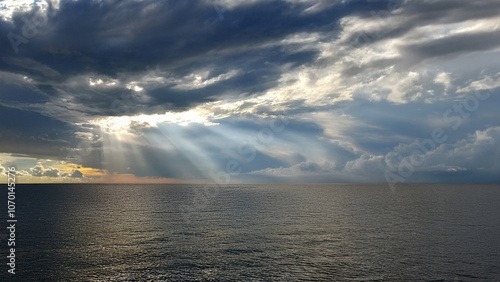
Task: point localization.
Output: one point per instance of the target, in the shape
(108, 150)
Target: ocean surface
(303, 232)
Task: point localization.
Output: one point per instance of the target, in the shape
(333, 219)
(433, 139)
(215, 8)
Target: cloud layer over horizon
(252, 91)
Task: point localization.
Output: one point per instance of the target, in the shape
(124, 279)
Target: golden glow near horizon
(36, 170)
(25, 173)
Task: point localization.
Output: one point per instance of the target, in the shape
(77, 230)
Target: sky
(250, 91)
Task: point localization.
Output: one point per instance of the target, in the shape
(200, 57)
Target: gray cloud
(76, 174)
(52, 172)
(452, 45)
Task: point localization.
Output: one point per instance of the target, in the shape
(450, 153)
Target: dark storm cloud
(121, 39)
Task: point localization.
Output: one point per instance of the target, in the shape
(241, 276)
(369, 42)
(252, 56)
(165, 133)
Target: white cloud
(480, 150)
(22, 173)
(444, 79)
(366, 164)
(40, 171)
(124, 124)
(104, 82)
(486, 83)
(201, 80)
(8, 7)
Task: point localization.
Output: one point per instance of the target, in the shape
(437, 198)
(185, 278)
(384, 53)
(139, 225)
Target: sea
(278, 232)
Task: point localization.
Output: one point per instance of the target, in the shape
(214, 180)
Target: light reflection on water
(262, 232)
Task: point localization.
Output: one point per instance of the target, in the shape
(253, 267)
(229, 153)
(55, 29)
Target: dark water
(256, 232)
